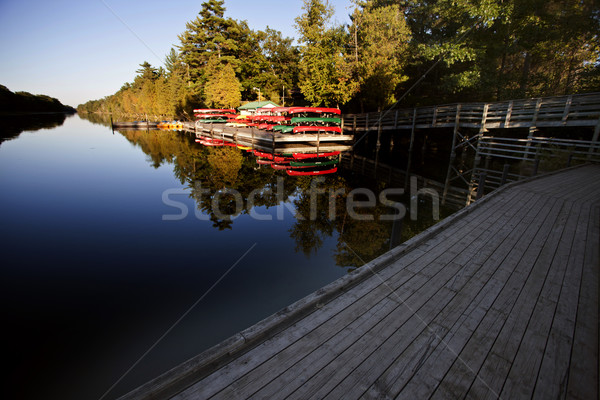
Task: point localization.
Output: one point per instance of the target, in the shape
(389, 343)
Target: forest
(25, 102)
(393, 52)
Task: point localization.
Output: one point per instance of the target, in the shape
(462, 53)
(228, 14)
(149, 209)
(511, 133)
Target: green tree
(498, 49)
(544, 47)
(206, 37)
(380, 38)
(325, 70)
(222, 88)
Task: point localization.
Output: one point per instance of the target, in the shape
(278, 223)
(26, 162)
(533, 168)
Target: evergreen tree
(204, 38)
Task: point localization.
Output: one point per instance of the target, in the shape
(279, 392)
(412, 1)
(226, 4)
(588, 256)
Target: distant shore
(21, 103)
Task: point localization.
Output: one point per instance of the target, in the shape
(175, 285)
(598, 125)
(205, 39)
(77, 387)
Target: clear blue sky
(79, 50)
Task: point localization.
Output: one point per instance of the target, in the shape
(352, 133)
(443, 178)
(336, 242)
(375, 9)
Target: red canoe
(319, 110)
(214, 111)
(293, 172)
(261, 154)
(280, 166)
(315, 129)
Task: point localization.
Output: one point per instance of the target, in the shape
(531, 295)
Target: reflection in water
(223, 180)
(98, 119)
(11, 126)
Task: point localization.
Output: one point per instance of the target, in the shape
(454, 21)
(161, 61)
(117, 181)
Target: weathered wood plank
(583, 369)
(554, 370)
(417, 312)
(524, 371)
(478, 313)
(501, 287)
(492, 374)
(455, 315)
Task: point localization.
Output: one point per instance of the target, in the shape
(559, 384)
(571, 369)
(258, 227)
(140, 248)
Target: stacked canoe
(300, 164)
(214, 115)
(309, 121)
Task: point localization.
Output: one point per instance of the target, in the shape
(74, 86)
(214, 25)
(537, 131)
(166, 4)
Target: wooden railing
(505, 160)
(559, 111)
(582, 110)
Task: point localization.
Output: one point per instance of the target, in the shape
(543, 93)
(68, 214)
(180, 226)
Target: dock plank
(502, 289)
(481, 293)
(492, 374)
(524, 370)
(553, 374)
(467, 286)
(583, 369)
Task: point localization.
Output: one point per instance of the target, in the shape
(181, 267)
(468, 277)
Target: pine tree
(204, 38)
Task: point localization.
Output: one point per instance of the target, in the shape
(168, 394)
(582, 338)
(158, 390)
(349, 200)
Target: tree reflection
(14, 125)
(225, 182)
(224, 166)
(323, 204)
(96, 118)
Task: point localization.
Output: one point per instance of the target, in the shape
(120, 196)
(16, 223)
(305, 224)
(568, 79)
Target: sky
(80, 50)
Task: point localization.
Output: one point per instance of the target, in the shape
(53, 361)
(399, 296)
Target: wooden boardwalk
(578, 110)
(498, 301)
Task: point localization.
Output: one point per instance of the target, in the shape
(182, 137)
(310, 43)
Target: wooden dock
(274, 142)
(499, 300)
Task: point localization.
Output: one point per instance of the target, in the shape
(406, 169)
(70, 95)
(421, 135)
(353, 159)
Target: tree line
(25, 102)
(407, 51)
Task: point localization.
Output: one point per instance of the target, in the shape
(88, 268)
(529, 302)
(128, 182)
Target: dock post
(504, 174)
(452, 155)
(367, 129)
(410, 149)
(377, 147)
(536, 165)
(481, 186)
(532, 128)
(594, 141)
(396, 236)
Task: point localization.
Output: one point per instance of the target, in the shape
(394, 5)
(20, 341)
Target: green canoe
(315, 163)
(283, 128)
(315, 121)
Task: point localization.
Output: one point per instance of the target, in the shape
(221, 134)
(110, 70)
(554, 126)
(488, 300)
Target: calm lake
(108, 239)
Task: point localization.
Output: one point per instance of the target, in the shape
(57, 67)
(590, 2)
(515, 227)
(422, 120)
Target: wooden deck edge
(184, 375)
